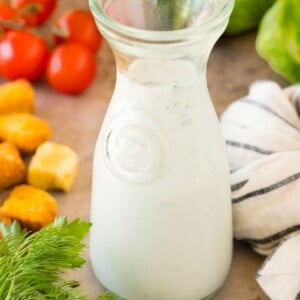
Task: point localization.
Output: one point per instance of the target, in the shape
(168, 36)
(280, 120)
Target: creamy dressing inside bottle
(161, 209)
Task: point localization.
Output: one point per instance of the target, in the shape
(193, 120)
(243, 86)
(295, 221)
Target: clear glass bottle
(161, 209)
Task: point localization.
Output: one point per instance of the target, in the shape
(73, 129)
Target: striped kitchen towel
(262, 133)
(280, 275)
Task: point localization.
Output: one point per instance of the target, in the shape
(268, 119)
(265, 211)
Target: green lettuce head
(278, 39)
(246, 15)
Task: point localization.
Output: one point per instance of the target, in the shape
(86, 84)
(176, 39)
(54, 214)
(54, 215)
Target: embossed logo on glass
(134, 147)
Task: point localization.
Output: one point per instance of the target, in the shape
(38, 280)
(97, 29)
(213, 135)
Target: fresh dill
(31, 264)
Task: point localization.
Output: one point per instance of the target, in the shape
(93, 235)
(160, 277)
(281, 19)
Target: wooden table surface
(76, 121)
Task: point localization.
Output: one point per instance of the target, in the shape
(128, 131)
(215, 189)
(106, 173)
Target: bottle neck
(155, 56)
(133, 40)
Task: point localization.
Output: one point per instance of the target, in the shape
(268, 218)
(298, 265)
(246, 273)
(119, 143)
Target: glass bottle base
(209, 297)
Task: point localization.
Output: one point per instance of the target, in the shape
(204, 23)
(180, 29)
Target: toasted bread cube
(31, 207)
(5, 220)
(16, 96)
(23, 130)
(12, 167)
(54, 166)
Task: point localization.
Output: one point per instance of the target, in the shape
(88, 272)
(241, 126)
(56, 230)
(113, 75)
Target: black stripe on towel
(235, 187)
(298, 111)
(275, 236)
(267, 189)
(298, 296)
(269, 110)
(248, 147)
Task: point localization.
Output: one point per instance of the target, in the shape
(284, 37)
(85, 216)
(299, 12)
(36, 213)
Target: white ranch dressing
(161, 208)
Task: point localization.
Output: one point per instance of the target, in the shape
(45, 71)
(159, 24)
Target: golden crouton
(5, 220)
(54, 166)
(23, 130)
(16, 96)
(12, 167)
(31, 207)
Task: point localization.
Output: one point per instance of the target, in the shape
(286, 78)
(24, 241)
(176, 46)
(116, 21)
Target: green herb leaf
(79, 228)
(107, 296)
(14, 228)
(31, 265)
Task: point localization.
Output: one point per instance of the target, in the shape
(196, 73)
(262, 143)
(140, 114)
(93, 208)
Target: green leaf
(13, 228)
(246, 15)
(78, 228)
(278, 39)
(290, 24)
(31, 265)
(107, 296)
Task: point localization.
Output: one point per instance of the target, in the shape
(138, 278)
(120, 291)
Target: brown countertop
(76, 121)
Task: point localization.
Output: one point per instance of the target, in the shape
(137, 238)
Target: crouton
(5, 220)
(23, 130)
(12, 167)
(31, 207)
(54, 166)
(16, 96)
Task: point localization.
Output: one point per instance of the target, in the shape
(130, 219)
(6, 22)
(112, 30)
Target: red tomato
(35, 12)
(7, 13)
(79, 26)
(71, 68)
(22, 55)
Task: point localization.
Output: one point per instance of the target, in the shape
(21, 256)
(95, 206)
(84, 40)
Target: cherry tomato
(7, 13)
(35, 12)
(79, 26)
(22, 55)
(71, 68)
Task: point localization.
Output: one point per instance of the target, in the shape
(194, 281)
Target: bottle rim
(168, 36)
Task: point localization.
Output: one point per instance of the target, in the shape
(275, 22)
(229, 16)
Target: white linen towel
(262, 133)
(280, 274)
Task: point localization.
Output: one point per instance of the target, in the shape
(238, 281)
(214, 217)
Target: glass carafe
(161, 209)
